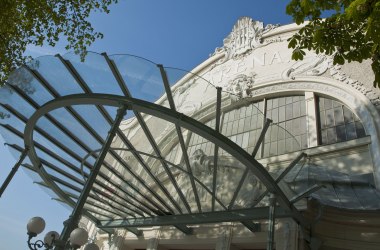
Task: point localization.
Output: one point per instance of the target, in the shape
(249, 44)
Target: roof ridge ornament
(246, 35)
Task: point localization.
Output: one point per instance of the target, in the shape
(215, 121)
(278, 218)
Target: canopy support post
(74, 218)
(272, 210)
(13, 171)
(216, 148)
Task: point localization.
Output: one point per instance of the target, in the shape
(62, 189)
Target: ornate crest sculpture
(244, 37)
(240, 87)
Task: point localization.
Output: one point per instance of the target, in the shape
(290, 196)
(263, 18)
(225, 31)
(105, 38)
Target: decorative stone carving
(240, 87)
(319, 64)
(181, 100)
(303, 85)
(337, 74)
(180, 93)
(310, 66)
(203, 167)
(245, 36)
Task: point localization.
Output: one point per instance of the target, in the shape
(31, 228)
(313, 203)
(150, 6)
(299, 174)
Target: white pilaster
(224, 240)
(286, 235)
(311, 120)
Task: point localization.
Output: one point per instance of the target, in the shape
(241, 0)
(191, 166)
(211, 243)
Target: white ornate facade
(331, 112)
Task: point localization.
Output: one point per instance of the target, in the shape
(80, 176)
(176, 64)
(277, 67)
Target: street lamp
(78, 237)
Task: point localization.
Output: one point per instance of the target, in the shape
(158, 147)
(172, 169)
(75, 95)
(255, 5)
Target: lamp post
(78, 237)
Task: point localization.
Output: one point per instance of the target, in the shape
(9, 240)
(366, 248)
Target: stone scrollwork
(241, 86)
(245, 36)
(312, 86)
(310, 66)
(337, 74)
(318, 65)
(181, 100)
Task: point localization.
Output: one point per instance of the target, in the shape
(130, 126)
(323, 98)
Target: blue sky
(174, 33)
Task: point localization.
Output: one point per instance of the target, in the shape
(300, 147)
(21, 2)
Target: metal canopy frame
(137, 202)
(173, 117)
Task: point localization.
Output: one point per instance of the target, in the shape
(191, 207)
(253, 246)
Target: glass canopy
(166, 163)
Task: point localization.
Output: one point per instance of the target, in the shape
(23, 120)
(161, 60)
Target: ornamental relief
(319, 64)
(241, 86)
(310, 66)
(337, 74)
(245, 36)
(312, 86)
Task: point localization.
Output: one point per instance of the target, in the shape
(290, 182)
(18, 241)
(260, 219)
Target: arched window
(288, 132)
(336, 122)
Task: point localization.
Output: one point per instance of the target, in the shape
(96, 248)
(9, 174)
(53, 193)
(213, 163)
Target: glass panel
(56, 74)
(285, 133)
(192, 95)
(11, 137)
(144, 181)
(142, 77)
(74, 126)
(32, 174)
(95, 73)
(337, 122)
(341, 133)
(92, 116)
(75, 185)
(351, 132)
(60, 136)
(243, 125)
(338, 115)
(360, 129)
(9, 97)
(73, 170)
(30, 86)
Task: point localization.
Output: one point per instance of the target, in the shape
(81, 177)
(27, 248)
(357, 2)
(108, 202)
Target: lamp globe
(50, 236)
(91, 246)
(78, 237)
(35, 226)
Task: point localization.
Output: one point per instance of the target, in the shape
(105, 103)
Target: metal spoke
(143, 125)
(179, 134)
(91, 196)
(245, 173)
(75, 216)
(69, 165)
(55, 94)
(290, 166)
(95, 190)
(105, 114)
(72, 167)
(306, 193)
(253, 227)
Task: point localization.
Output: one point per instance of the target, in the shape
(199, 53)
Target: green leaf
(338, 59)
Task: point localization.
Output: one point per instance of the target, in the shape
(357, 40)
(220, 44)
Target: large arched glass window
(288, 132)
(336, 122)
(243, 125)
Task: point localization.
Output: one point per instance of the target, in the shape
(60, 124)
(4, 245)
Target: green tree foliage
(39, 22)
(350, 33)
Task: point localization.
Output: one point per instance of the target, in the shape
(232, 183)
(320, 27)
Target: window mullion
(311, 120)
